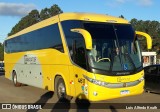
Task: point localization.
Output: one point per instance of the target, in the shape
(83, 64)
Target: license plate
(124, 92)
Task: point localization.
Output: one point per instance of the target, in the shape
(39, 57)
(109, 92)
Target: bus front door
(80, 66)
(81, 88)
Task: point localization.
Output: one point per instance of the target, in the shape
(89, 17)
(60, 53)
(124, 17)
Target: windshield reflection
(115, 47)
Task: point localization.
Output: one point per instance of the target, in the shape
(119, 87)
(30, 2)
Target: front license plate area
(124, 92)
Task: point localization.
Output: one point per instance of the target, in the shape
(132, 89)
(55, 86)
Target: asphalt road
(28, 94)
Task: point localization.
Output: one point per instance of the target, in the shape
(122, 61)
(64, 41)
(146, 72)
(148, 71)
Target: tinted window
(75, 42)
(67, 26)
(114, 47)
(47, 37)
(79, 52)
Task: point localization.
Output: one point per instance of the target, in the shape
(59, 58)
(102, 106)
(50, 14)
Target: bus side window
(79, 52)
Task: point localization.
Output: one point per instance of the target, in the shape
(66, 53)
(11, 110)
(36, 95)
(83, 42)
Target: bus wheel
(61, 89)
(16, 83)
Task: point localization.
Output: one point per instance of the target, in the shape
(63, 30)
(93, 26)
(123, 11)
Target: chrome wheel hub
(61, 90)
(15, 79)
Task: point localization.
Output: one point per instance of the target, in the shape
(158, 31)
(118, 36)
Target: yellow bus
(82, 55)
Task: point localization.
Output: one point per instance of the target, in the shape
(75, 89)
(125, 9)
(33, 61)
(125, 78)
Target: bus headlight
(141, 79)
(97, 82)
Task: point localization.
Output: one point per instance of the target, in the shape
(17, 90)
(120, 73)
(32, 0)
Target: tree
(150, 27)
(54, 10)
(34, 17)
(49, 12)
(44, 14)
(134, 22)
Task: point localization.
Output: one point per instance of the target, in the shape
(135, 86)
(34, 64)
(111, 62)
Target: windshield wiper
(117, 41)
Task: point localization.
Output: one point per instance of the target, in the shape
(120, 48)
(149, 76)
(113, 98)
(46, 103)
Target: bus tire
(60, 89)
(14, 78)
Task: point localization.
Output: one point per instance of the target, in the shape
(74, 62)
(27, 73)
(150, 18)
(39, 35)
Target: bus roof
(71, 16)
(91, 17)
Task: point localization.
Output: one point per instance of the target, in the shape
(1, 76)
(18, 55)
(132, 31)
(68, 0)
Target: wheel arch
(57, 76)
(13, 74)
(16, 83)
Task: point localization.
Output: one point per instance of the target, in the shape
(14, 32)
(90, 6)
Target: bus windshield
(115, 47)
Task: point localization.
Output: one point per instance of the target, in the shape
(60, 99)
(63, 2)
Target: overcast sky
(11, 11)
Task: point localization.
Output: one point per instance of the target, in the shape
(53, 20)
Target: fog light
(95, 93)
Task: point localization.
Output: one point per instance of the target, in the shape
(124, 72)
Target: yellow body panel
(110, 93)
(52, 62)
(119, 79)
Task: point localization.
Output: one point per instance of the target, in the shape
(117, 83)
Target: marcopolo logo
(122, 79)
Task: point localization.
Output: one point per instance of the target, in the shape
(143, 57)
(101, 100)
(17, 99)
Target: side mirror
(148, 38)
(86, 35)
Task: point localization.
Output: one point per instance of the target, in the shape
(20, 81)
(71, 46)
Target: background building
(149, 58)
